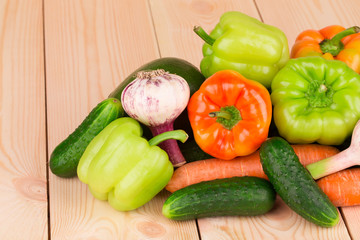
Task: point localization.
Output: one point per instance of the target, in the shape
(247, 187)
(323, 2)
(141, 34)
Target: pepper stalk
(334, 45)
(206, 37)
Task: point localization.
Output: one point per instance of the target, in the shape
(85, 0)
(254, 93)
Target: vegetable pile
(256, 124)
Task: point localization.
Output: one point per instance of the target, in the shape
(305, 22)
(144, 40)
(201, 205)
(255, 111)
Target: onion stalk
(345, 159)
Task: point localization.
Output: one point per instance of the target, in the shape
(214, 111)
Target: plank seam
(153, 25)
(198, 228)
(258, 10)
(159, 52)
(346, 223)
(46, 125)
(340, 209)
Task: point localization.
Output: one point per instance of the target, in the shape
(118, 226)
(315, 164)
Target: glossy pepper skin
(246, 45)
(120, 166)
(230, 115)
(331, 42)
(316, 100)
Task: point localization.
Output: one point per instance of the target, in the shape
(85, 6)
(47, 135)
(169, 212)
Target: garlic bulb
(156, 98)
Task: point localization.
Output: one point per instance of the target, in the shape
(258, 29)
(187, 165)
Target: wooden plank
(90, 47)
(174, 22)
(280, 223)
(23, 198)
(173, 25)
(296, 16)
(352, 219)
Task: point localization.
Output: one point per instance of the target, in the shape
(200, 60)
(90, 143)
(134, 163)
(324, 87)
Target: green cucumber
(295, 185)
(244, 196)
(175, 66)
(192, 152)
(66, 156)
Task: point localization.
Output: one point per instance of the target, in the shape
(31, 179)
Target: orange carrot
(210, 169)
(342, 188)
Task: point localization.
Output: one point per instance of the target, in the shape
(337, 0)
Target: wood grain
(294, 17)
(23, 198)
(280, 223)
(90, 47)
(174, 22)
(351, 217)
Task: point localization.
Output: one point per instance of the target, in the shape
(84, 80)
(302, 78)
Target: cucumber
(245, 196)
(173, 65)
(66, 156)
(192, 152)
(294, 184)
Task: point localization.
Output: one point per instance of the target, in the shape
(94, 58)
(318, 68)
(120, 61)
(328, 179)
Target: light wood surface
(23, 186)
(90, 46)
(60, 58)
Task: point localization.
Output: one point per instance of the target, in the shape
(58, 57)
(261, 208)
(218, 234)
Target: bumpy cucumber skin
(295, 185)
(66, 156)
(244, 196)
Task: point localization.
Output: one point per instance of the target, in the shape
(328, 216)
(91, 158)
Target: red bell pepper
(230, 115)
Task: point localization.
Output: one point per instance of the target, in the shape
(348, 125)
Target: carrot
(210, 169)
(342, 188)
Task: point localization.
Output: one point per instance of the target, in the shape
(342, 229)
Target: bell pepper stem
(206, 37)
(228, 116)
(180, 135)
(352, 30)
(221, 114)
(323, 88)
(334, 45)
(165, 136)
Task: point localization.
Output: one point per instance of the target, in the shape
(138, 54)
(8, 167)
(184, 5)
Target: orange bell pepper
(230, 115)
(332, 42)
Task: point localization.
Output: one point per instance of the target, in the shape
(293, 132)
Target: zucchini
(294, 184)
(173, 65)
(66, 156)
(245, 196)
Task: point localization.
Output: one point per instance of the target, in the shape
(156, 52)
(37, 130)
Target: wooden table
(61, 57)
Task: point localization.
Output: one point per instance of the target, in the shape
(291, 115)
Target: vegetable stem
(150, 74)
(322, 88)
(338, 37)
(331, 165)
(228, 116)
(206, 37)
(340, 161)
(180, 135)
(170, 145)
(221, 114)
(334, 45)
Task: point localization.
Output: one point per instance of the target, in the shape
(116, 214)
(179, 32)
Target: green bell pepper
(122, 167)
(316, 100)
(246, 45)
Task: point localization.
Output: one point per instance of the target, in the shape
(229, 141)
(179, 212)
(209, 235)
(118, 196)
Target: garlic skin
(155, 98)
